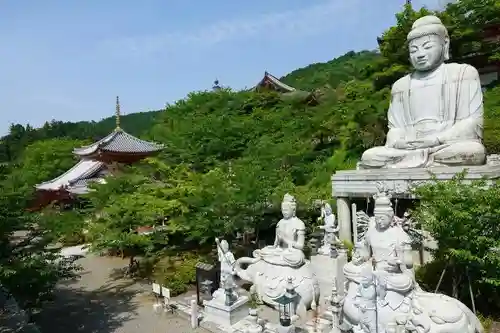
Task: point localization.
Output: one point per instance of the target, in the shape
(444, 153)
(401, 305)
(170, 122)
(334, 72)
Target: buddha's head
(288, 206)
(383, 212)
(428, 43)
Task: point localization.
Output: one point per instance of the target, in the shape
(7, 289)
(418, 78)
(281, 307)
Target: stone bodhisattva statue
(436, 113)
(226, 259)
(330, 228)
(271, 266)
(381, 287)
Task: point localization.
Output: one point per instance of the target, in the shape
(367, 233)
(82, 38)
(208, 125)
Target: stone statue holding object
(227, 261)
(271, 266)
(436, 113)
(330, 229)
(384, 251)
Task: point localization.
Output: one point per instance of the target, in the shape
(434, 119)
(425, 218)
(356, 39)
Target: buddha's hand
(403, 144)
(394, 263)
(424, 143)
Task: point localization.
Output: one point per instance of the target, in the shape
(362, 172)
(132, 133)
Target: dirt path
(103, 302)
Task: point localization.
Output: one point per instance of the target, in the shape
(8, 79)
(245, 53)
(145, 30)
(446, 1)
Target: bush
(177, 273)
(463, 218)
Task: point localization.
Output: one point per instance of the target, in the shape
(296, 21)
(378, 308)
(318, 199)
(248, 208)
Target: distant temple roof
(270, 81)
(287, 92)
(80, 174)
(119, 141)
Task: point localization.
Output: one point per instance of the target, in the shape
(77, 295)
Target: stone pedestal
(348, 184)
(226, 316)
(325, 268)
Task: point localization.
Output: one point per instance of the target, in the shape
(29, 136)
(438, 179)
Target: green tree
(463, 219)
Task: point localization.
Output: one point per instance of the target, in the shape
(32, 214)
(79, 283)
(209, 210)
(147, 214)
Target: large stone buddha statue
(436, 113)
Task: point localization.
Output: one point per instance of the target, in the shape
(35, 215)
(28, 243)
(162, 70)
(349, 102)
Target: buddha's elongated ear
(446, 49)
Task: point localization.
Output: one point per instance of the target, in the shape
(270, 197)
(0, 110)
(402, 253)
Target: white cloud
(282, 25)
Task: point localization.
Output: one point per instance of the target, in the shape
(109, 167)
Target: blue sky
(67, 60)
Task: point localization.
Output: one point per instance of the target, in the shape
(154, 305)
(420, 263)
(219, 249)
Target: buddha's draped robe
(448, 105)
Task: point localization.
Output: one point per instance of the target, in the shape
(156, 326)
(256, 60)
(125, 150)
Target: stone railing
(13, 318)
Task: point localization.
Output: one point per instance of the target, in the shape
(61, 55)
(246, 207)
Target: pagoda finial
(117, 112)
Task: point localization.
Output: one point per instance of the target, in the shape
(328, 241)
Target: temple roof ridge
(121, 142)
(271, 80)
(84, 169)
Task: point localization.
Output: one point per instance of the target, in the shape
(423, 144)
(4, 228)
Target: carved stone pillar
(344, 219)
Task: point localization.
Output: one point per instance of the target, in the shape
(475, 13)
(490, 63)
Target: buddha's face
(288, 210)
(383, 219)
(427, 52)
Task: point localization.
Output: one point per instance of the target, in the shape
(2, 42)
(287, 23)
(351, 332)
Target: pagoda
(96, 162)
(271, 82)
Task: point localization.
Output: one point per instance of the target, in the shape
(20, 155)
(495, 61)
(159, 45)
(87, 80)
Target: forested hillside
(230, 156)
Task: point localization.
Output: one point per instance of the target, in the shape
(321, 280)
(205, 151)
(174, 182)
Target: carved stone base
(363, 183)
(348, 184)
(226, 316)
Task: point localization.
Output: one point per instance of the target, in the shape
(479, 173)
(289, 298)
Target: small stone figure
(330, 228)
(226, 259)
(226, 291)
(366, 301)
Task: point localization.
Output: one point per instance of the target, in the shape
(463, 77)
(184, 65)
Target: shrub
(177, 273)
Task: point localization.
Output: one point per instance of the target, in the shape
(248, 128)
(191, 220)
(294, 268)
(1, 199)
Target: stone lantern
(287, 303)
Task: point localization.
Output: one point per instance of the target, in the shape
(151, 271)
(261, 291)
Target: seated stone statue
(289, 239)
(436, 113)
(271, 267)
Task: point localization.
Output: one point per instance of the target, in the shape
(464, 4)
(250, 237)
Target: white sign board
(156, 288)
(165, 292)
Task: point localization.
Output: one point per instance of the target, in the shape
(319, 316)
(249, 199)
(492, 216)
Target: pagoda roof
(75, 178)
(272, 82)
(119, 141)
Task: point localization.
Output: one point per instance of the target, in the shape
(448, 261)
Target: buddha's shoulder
(461, 71)
(402, 84)
(298, 223)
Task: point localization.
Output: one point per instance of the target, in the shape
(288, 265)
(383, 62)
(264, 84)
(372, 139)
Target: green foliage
(491, 126)
(176, 272)
(463, 219)
(27, 268)
(350, 66)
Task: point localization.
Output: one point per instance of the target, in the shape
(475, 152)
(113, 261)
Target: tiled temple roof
(274, 82)
(119, 141)
(80, 174)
